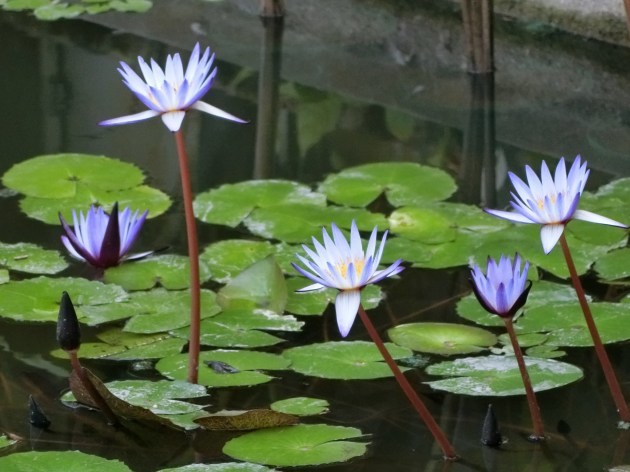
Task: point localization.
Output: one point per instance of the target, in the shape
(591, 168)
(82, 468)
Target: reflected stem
(447, 449)
(609, 373)
(534, 409)
(193, 256)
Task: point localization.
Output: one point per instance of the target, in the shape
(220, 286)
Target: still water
(384, 94)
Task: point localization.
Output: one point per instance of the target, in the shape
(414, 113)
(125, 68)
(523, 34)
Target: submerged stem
(609, 373)
(447, 449)
(193, 256)
(534, 410)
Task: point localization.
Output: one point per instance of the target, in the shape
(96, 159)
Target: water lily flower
(171, 92)
(504, 288)
(347, 268)
(551, 202)
(100, 239)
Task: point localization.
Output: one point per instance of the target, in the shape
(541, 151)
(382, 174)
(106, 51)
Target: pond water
(336, 97)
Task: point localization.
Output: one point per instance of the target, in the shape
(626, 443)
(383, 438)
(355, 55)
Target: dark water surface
(58, 80)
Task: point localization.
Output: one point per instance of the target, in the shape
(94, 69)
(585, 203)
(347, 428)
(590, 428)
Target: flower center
(342, 267)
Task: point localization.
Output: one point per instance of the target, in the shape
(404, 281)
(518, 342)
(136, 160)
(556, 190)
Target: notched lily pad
(404, 183)
(299, 445)
(232, 420)
(301, 406)
(343, 359)
(232, 203)
(247, 362)
(500, 376)
(442, 338)
(52, 461)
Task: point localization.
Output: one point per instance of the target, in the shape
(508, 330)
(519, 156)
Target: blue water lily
(100, 239)
(503, 289)
(171, 92)
(551, 202)
(346, 267)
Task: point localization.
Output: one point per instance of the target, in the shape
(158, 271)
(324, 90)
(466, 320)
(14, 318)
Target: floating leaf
(231, 203)
(30, 258)
(343, 359)
(524, 340)
(404, 183)
(246, 420)
(421, 224)
(225, 467)
(546, 352)
(171, 271)
(261, 285)
(5, 441)
(500, 376)
(299, 445)
(298, 222)
(400, 124)
(226, 259)
(56, 11)
(247, 362)
(58, 175)
(220, 335)
(57, 461)
(38, 299)
(162, 310)
(442, 338)
(301, 406)
(139, 198)
(614, 265)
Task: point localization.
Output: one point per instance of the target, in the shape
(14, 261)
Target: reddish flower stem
(534, 410)
(193, 256)
(447, 449)
(609, 373)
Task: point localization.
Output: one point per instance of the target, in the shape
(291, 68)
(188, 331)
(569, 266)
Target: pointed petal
(109, 252)
(508, 215)
(173, 120)
(212, 110)
(549, 235)
(595, 218)
(310, 288)
(123, 120)
(346, 307)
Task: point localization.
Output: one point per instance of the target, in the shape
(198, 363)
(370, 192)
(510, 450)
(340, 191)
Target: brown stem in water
(534, 410)
(447, 449)
(609, 373)
(193, 256)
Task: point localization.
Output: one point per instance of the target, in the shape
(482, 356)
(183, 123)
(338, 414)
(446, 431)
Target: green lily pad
(140, 198)
(524, 340)
(232, 203)
(442, 338)
(500, 376)
(248, 364)
(545, 351)
(404, 183)
(614, 265)
(58, 175)
(297, 222)
(171, 271)
(5, 441)
(59, 461)
(299, 445)
(225, 467)
(343, 359)
(30, 258)
(162, 310)
(38, 299)
(225, 259)
(422, 224)
(400, 124)
(56, 11)
(301, 406)
(217, 334)
(409, 251)
(246, 420)
(566, 326)
(261, 285)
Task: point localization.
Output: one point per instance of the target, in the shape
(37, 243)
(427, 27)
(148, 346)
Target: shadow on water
(351, 85)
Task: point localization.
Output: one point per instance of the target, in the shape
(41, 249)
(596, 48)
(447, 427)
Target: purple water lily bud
(68, 331)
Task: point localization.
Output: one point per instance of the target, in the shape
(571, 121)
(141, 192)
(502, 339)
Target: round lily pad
(614, 265)
(57, 175)
(59, 461)
(246, 363)
(500, 376)
(30, 258)
(343, 359)
(442, 338)
(231, 203)
(404, 183)
(301, 406)
(299, 445)
(422, 224)
(225, 259)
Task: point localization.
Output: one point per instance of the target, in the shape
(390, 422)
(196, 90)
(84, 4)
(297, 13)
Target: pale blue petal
(346, 307)
(123, 120)
(173, 120)
(595, 218)
(549, 235)
(212, 110)
(509, 215)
